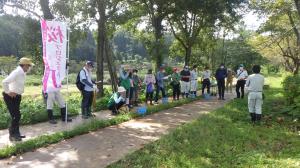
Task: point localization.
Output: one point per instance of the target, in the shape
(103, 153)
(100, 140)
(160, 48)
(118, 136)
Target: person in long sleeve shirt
(206, 80)
(241, 81)
(160, 77)
(88, 91)
(13, 88)
(117, 100)
(149, 81)
(255, 84)
(220, 76)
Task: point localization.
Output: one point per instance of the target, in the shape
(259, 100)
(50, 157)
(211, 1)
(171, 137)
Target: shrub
(292, 94)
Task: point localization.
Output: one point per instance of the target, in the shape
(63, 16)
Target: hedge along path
(108, 145)
(44, 135)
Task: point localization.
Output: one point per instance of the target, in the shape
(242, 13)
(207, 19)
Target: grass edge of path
(93, 125)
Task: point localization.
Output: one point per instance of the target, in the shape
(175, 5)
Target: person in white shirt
(206, 80)
(13, 88)
(255, 84)
(194, 81)
(88, 91)
(242, 75)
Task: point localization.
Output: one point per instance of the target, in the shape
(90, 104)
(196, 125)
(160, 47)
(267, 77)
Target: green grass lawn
(226, 138)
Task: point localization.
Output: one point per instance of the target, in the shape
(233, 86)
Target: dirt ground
(108, 145)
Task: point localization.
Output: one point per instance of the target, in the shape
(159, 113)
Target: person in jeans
(175, 82)
(220, 76)
(206, 80)
(88, 91)
(149, 82)
(194, 81)
(160, 77)
(185, 81)
(117, 100)
(241, 81)
(255, 84)
(13, 88)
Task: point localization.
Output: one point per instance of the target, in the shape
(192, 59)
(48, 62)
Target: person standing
(13, 88)
(241, 81)
(194, 81)
(185, 81)
(149, 81)
(55, 96)
(175, 82)
(136, 87)
(160, 77)
(88, 91)
(229, 81)
(125, 82)
(255, 84)
(220, 76)
(206, 80)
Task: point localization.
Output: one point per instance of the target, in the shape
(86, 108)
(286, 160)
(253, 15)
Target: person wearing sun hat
(117, 100)
(13, 88)
(241, 81)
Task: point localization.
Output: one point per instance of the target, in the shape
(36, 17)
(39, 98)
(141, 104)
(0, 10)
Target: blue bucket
(165, 100)
(141, 110)
(207, 96)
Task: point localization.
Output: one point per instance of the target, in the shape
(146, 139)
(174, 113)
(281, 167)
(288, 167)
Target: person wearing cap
(13, 88)
(160, 77)
(220, 76)
(149, 81)
(175, 83)
(229, 80)
(206, 74)
(241, 81)
(88, 91)
(194, 81)
(117, 100)
(185, 81)
(255, 85)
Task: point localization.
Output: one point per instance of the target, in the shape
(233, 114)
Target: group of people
(184, 82)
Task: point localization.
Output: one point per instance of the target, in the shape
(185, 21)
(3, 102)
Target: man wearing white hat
(13, 88)
(117, 100)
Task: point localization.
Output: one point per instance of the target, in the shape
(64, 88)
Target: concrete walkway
(108, 145)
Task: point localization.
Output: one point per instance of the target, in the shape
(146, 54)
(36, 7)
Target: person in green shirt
(117, 100)
(175, 83)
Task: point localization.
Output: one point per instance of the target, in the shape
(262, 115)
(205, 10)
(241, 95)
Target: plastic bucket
(141, 110)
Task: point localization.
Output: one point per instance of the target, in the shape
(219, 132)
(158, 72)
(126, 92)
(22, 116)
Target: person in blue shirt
(220, 76)
(160, 77)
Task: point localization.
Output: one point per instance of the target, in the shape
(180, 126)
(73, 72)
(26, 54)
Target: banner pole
(67, 61)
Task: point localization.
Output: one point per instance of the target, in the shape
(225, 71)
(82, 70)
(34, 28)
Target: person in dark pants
(241, 81)
(13, 88)
(160, 77)
(149, 82)
(175, 82)
(88, 91)
(117, 100)
(206, 80)
(220, 76)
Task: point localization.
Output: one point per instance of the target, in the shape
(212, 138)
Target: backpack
(149, 88)
(79, 84)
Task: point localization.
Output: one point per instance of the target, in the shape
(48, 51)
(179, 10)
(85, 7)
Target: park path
(101, 148)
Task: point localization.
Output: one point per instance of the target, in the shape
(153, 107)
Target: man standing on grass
(241, 81)
(185, 81)
(220, 75)
(194, 81)
(88, 91)
(206, 80)
(160, 77)
(255, 84)
(13, 88)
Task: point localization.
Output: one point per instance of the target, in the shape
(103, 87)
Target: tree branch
(23, 8)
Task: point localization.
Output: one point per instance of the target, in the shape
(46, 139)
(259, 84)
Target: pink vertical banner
(54, 39)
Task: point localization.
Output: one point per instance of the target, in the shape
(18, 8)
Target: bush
(292, 94)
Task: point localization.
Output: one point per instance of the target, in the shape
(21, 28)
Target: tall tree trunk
(46, 9)
(111, 67)
(158, 28)
(188, 53)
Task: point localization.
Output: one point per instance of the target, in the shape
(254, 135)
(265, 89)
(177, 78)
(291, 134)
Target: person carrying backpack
(87, 87)
(149, 81)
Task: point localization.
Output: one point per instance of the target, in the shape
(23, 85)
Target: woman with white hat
(117, 100)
